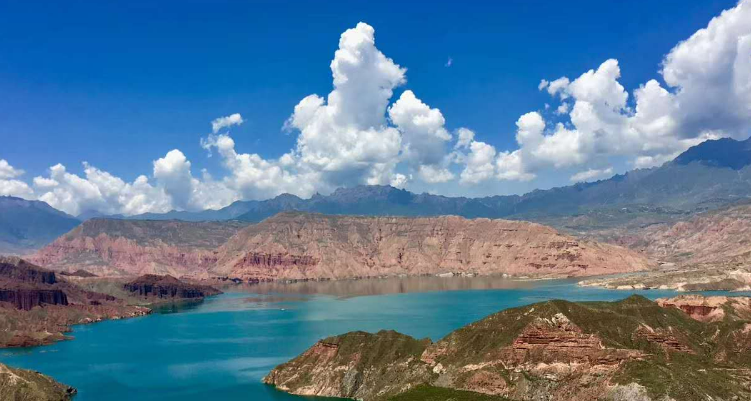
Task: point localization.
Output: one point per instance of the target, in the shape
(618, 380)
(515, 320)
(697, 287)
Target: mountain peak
(724, 152)
(369, 192)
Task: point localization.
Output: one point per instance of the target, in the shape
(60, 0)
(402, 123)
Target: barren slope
(135, 247)
(719, 236)
(312, 246)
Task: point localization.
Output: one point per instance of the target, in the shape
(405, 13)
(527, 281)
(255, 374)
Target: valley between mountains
(683, 226)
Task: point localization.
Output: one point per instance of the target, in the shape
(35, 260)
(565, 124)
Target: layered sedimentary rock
(37, 308)
(555, 350)
(710, 251)
(111, 247)
(78, 273)
(26, 385)
(167, 287)
(17, 269)
(710, 309)
(25, 286)
(311, 246)
(27, 298)
(718, 236)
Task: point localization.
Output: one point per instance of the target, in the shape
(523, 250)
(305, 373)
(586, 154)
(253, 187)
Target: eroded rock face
(558, 340)
(357, 365)
(665, 338)
(28, 298)
(167, 287)
(110, 247)
(710, 309)
(25, 286)
(311, 246)
(36, 307)
(17, 269)
(554, 350)
(719, 236)
(566, 360)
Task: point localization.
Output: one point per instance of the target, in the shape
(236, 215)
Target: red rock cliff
(134, 247)
(309, 246)
(167, 287)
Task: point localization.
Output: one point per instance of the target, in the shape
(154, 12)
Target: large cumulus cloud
(360, 134)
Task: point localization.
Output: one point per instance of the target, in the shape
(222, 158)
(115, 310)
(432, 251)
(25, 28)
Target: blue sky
(119, 84)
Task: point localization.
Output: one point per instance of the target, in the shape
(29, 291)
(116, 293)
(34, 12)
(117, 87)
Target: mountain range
(305, 246)
(707, 176)
(26, 225)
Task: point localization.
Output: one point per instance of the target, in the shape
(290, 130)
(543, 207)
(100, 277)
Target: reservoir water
(220, 349)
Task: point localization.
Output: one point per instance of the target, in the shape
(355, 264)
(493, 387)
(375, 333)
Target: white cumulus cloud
(592, 174)
(359, 134)
(708, 96)
(226, 122)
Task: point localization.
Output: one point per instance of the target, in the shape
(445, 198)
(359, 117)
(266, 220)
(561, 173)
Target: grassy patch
(430, 393)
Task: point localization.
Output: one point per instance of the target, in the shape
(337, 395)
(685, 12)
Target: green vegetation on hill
(26, 385)
(430, 393)
(551, 350)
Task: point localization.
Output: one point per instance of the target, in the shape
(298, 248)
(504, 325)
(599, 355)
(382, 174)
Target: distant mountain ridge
(725, 152)
(711, 174)
(27, 225)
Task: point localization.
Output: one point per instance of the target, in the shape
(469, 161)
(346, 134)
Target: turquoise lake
(220, 349)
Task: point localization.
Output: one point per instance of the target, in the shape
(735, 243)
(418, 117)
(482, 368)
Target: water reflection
(391, 285)
(177, 306)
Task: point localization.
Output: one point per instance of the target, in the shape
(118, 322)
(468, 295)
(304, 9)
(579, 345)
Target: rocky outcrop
(350, 366)
(557, 339)
(25, 286)
(710, 251)
(111, 247)
(26, 299)
(167, 288)
(719, 236)
(37, 307)
(311, 246)
(17, 269)
(27, 385)
(554, 350)
(78, 273)
(664, 338)
(710, 309)
(265, 260)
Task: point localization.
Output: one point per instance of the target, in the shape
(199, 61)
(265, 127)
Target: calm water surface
(221, 348)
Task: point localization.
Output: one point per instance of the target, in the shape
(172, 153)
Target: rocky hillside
(723, 235)
(711, 309)
(26, 385)
(157, 288)
(709, 251)
(110, 247)
(37, 307)
(312, 246)
(28, 225)
(628, 350)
